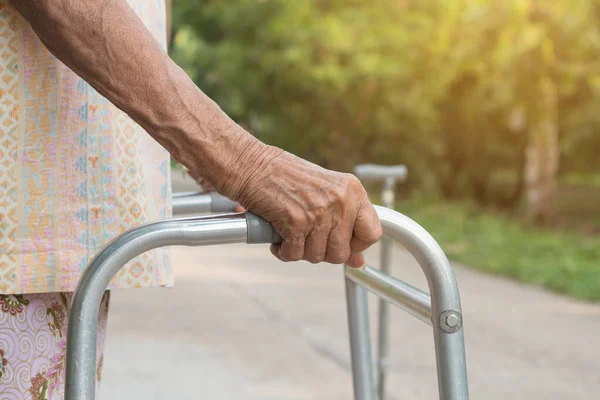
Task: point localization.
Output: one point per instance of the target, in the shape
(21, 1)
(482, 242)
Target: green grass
(561, 261)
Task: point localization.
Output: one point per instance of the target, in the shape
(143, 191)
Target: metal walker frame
(390, 175)
(442, 309)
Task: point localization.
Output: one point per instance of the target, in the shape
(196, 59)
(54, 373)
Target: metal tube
(389, 174)
(178, 195)
(407, 297)
(360, 342)
(376, 172)
(383, 347)
(83, 318)
(445, 301)
(191, 203)
(197, 203)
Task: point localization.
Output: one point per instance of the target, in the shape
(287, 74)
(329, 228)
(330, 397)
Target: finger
(367, 229)
(292, 249)
(315, 247)
(338, 245)
(356, 261)
(239, 208)
(275, 249)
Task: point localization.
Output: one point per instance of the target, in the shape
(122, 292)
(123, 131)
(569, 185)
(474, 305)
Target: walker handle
(381, 172)
(260, 231)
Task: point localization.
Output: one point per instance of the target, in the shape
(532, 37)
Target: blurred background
(494, 107)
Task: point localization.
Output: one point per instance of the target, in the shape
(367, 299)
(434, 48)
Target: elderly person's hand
(322, 215)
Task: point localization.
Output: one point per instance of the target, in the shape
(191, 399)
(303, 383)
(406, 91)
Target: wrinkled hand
(321, 215)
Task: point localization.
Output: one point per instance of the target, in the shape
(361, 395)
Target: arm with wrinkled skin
(322, 215)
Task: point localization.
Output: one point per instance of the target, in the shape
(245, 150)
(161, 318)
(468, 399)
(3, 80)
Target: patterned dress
(74, 170)
(74, 173)
(33, 329)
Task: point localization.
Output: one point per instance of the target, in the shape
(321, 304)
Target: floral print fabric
(33, 332)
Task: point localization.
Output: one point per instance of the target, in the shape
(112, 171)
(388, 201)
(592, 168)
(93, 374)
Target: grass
(564, 262)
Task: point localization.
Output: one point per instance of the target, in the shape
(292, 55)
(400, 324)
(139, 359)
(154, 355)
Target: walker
(441, 309)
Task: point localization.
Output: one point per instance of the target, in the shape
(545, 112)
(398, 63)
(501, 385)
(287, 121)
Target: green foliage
(560, 261)
(447, 87)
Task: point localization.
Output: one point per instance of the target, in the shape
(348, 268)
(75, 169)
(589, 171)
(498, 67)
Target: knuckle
(318, 213)
(296, 249)
(340, 199)
(371, 236)
(294, 256)
(354, 183)
(338, 257)
(342, 194)
(375, 234)
(315, 258)
(297, 218)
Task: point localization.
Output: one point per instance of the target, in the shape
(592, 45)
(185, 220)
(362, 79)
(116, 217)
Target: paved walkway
(241, 325)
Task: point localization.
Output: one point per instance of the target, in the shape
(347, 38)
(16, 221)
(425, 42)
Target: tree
(478, 97)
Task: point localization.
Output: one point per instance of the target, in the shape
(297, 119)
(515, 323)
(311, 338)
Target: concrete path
(241, 325)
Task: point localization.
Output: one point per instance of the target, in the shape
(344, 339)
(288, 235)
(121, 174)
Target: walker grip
(260, 231)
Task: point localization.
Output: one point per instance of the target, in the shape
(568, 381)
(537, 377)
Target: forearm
(321, 214)
(106, 43)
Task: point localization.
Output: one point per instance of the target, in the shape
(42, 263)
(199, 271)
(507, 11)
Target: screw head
(452, 320)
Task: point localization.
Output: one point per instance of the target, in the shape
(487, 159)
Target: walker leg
(445, 301)
(389, 175)
(383, 324)
(383, 348)
(360, 342)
